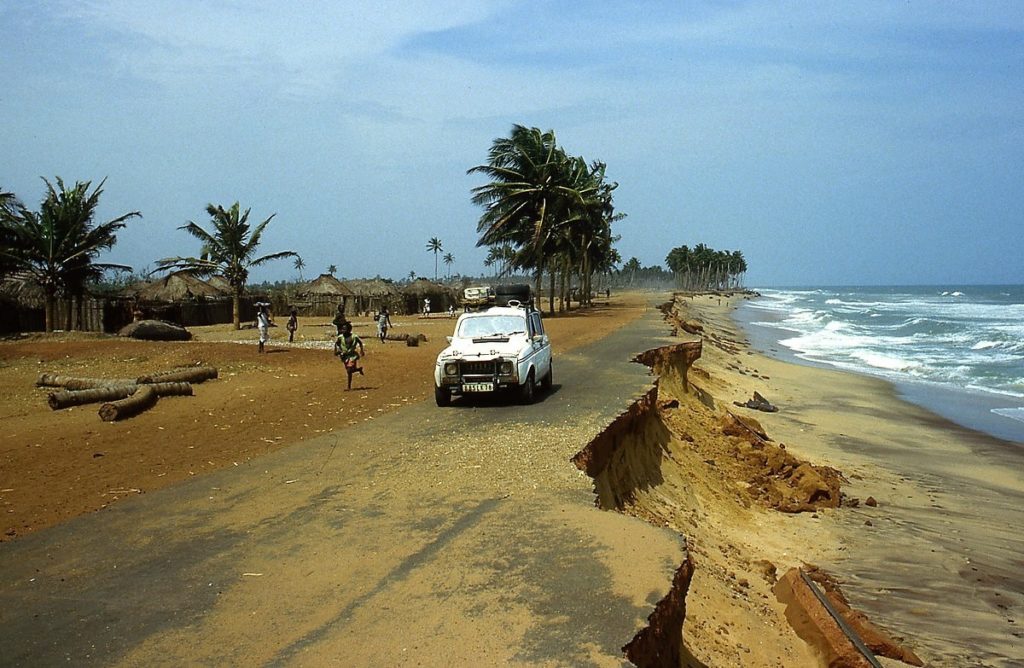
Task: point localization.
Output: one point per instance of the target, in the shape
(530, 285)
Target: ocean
(958, 351)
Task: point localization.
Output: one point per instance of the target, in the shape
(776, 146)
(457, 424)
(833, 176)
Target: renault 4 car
(500, 349)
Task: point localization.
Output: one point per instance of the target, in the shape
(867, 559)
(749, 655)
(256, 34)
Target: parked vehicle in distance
(499, 349)
(478, 296)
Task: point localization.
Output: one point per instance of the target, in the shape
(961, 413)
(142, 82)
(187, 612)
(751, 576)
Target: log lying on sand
(143, 398)
(75, 383)
(65, 399)
(68, 398)
(190, 375)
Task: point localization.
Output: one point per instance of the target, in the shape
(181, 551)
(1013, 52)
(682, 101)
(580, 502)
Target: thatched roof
(325, 284)
(176, 287)
(373, 287)
(421, 287)
(220, 283)
(22, 289)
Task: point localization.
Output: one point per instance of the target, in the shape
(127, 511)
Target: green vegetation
(703, 268)
(227, 250)
(552, 210)
(57, 246)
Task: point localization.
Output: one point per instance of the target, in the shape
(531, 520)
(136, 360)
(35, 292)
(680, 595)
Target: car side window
(538, 326)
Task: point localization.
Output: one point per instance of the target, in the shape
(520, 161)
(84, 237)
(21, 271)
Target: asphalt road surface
(427, 536)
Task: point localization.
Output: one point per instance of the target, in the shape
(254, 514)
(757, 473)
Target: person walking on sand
(293, 324)
(426, 307)
(263, 323)
(349, 348)
(383, 322)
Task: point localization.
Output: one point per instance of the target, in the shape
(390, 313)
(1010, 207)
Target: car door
(541, 344)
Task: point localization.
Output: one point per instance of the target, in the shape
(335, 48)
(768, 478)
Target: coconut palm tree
(434, 246)
(299, 266)
(449, 259)
(228, 249)
(57, 247)
(332, 269)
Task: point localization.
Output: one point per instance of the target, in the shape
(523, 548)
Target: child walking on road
(349, 348)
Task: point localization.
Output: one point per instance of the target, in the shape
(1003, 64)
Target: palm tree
(554, 209)
(448, 260)
(227, 250)
(434, 246)
(299, 266)
(57, 246)
(332, 270)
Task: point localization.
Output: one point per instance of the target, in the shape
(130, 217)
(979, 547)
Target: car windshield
(492, 325)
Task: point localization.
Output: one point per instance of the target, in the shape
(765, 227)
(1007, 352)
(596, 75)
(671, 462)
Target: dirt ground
(56, 465)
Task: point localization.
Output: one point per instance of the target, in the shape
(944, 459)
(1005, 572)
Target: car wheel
(549, 378)
(526, 390)
(442, 397)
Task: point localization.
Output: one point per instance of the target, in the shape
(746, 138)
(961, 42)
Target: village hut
(22, 303)
(323, 296)
(220, 283)
(176, 287)
(373, 294)
(182, 298)
(421, 289)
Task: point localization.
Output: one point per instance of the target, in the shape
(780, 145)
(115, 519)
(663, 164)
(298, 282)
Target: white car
(503, 348)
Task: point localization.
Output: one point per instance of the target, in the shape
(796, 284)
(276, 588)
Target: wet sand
(940, 559)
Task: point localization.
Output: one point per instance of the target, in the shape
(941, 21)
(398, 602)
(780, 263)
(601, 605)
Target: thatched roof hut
(220, 283)
(421, 289)
(177, 287)
(374, 293)
(322, 296)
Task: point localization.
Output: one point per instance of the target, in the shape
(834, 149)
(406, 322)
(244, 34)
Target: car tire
(526, 390)
(442, 397)
(549, 378)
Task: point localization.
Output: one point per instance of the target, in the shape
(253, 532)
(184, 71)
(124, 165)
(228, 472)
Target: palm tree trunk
(236, 310)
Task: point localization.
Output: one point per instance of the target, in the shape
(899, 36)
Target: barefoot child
(349, 348)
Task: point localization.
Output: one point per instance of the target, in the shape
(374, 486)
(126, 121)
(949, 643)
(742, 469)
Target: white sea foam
(1012, 413)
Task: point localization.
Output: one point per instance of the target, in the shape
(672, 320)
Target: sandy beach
(938, 560)
(924, 538)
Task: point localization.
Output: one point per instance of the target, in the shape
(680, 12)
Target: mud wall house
(188, 301)
(440, 296)
(23, 309)
(322, 296)
(370, 295)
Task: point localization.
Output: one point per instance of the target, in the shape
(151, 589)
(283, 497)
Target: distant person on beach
(426, 307)
(349, 348)
(293, 324)
(263, 323)
(383, 319)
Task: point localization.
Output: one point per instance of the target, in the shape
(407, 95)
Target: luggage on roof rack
(518, 292)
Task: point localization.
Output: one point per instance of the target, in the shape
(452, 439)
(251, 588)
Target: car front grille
(485, 368)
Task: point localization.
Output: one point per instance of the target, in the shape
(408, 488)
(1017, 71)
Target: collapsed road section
(678, 458)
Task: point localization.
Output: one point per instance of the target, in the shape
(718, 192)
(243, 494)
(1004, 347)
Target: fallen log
(190, 375)
(68, 398)
(76, 383)
(143, 398)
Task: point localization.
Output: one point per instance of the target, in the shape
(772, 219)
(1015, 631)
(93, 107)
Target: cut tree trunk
(68, 398)
(142, 399)
(190, 375)
(65, 399)
(75, 383)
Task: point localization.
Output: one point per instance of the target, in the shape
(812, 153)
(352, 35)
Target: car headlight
(451, 369)
(506, 368)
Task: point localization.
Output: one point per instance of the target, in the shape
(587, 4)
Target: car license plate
(478, 387)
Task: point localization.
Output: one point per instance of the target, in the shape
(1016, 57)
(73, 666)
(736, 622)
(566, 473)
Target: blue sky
(833, 143)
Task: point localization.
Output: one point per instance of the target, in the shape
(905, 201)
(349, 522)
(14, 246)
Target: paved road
(457, 536)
